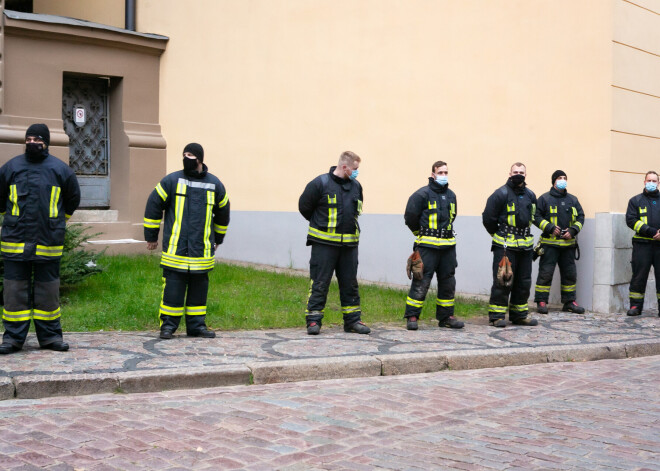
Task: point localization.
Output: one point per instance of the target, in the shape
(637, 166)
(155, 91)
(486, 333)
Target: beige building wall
(635, 98)
(276, 90)
(107, 12)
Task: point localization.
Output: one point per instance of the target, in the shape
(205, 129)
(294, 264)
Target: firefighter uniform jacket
(508, 216)
(196, 216)
(37, 197)
(643, 216)
(332, 206)
(558, 208)
(430, 215)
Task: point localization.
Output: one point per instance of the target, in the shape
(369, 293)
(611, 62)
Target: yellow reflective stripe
(349, 309)
(638, 225)
(179, 205)
(414, 302)
(187, 263)
(16, 316)
(542, 288)
(67, 216)
(195, 310)
(224, 201)
(210, 201)
(511, 216)
(553, 215)
(436, 241)
(220, 229)
(161, 192)
(557, 242)
(46, 315)
(511, 241)
(544, 224)
(171, 311)
(518, 307)
(578, 224)
(13, 197)
(644, 219)
(332, 236)
(634, 295)
(533, 214)
(332, 212)
(54, 199)
(49, 251)
(568, 287)
(12, 247)
(152, 223)
(496, 308)
(2, 213)
(359, 207)
(444, 302)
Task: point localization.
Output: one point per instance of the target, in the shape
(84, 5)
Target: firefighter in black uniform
(509, 214)
(559, 215)
(332, 203)
(196, 217)
(643, 217)
(38, 194)
(430, 215)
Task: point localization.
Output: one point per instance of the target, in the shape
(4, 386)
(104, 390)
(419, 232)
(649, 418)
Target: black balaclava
(35, 151)
(190, 165)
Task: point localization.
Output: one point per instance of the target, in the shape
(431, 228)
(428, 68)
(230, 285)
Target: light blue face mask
(562, 184)
(441, 179)
(354, 174)
(651, 186)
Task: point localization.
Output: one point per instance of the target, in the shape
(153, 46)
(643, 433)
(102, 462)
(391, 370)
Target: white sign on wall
(79, 115)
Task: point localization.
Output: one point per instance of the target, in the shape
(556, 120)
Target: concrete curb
(268, 372)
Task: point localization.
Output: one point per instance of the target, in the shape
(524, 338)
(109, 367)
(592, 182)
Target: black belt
(516, 231)
(439, 233)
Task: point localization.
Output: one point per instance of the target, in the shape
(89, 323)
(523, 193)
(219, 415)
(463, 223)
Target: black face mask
(34, 149)
(189, 165)
(518, 179)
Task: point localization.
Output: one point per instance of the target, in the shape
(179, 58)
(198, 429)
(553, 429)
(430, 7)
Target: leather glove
(504, 272)
(415, 266)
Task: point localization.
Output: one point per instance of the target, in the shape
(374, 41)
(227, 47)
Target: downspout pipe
(129, 10)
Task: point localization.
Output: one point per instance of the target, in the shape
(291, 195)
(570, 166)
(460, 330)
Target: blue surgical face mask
(651, 186)
(441, 179)
(561, 184)
(354, 174)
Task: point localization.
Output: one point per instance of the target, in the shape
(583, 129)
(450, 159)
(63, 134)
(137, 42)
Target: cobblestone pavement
(108, 352)
(599, 415)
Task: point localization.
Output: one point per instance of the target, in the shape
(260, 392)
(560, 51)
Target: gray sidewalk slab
(101, 362)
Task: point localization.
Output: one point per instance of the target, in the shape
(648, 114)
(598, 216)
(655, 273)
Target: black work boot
(313, 328)
(166, 334)
(635, 311)
(411, 323)
(525, 321)
(572, 306)
(451, 322)
(542, 307)
(58, 346)
(7, 348)
(358, 327)
(202, 332)
(498, 323)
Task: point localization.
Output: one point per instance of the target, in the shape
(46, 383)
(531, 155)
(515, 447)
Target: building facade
(275, 91)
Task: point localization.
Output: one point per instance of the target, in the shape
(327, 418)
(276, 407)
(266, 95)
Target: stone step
(95, 215)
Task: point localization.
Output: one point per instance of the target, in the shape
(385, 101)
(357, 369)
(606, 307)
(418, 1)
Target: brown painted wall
(37, 55)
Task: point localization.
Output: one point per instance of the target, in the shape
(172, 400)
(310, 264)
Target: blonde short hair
(348, 158)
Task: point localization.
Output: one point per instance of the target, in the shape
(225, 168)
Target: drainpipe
(129, 10)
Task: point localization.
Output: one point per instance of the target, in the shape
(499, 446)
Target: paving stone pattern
(599, 415)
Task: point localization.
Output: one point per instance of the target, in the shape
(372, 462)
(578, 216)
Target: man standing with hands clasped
(643, 217)
(559, 215)
(430, 215)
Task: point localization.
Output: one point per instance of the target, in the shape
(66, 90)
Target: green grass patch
(127, 294)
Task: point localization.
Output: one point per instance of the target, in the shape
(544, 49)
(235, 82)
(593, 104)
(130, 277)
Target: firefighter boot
(58, 346)
(411, 323)
(358, 327)
(6, 348)
(572, 306)
(451, 323)
(525, 321)
(635, 311)
(542, 307)
(498, 323)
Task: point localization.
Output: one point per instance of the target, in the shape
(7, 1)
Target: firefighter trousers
(644, 256)
(31, 291)
(514, 297)
(342, 261)
(553, 256)
(442, 263)
(184, 293)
